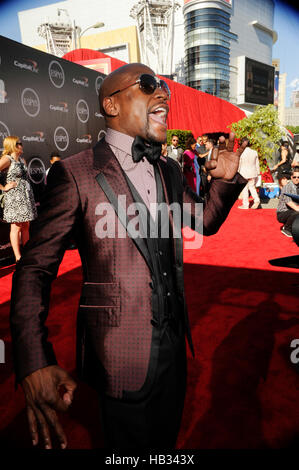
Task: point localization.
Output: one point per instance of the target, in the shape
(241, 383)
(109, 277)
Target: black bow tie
(149, 150)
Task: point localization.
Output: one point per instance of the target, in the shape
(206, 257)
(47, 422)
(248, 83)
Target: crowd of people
(192, 160)
(198, 152)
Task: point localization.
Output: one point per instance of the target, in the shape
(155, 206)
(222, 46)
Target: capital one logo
(56, 74)
(82, 110)
(98, 83)
(83, 81)
(37, 137)
(61, 138)
(85, 139)
(4, 132)
(27, 64)
(30, 102)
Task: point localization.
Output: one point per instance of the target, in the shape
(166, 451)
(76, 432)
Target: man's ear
(110, 106)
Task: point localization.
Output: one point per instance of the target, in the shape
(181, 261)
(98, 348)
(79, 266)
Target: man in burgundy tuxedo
(132, 318)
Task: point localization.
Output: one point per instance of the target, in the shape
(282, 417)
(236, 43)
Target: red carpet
(242, 387)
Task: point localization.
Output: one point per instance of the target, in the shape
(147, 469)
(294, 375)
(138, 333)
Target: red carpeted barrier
(242, 386)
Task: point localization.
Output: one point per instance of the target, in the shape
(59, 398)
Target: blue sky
(286, 23)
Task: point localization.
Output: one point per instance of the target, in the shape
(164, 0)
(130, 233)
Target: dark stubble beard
(151, 137)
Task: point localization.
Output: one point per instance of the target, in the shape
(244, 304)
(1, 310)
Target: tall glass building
(217, 32)
(207, 46)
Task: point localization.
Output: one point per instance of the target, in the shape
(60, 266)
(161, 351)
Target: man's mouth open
(159, 115)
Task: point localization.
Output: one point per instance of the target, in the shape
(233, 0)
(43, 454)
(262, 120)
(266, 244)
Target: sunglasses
(19, 143)
(295, 177)
(148, 84)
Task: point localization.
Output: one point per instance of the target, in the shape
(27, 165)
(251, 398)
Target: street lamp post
(99, 24)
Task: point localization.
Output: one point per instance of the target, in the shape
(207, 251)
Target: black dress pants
(155, 421)
(287, 218)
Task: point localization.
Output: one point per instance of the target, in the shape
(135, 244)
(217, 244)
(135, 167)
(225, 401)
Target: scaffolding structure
(155, 28)
(60, 35)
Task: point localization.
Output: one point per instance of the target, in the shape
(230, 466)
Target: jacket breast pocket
(100, 304)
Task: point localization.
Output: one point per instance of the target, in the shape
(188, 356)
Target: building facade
(207, 44)
(291, 117)
(220, 37)
(295, 99)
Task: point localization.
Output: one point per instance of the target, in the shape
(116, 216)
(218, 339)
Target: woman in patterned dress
(19, 204)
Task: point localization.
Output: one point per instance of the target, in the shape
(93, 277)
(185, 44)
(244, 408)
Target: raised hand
(41, 390)
(224, 161)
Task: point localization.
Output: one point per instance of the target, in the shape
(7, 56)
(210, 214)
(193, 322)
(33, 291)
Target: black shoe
(286, 232)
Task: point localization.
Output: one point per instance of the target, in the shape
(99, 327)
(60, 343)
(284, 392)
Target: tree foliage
(263, 129)
(293, 129)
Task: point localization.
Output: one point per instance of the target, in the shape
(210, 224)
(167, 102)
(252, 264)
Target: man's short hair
(55, 154)
(174, 135)
(295, 169)
(212, 141)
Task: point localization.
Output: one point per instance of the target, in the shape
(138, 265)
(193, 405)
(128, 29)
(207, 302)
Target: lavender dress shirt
(141, 174)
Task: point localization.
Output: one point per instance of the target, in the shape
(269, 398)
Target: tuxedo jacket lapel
(112, 180)
(171, 196)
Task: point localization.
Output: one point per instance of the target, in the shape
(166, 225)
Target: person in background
(295, 161)
(205, 177)
(285, 179)
(202, 151)
(200, 148)
(284, 164)
(209, 145)
(249, 168)
(164, 152)
(54, 157)
(190, 165)
(19, 205)
(287, 209)
(174, 151)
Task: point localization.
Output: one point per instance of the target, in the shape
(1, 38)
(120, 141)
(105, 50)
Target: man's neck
(119, 139)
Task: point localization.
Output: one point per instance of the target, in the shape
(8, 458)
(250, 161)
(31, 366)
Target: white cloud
(294, 84)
